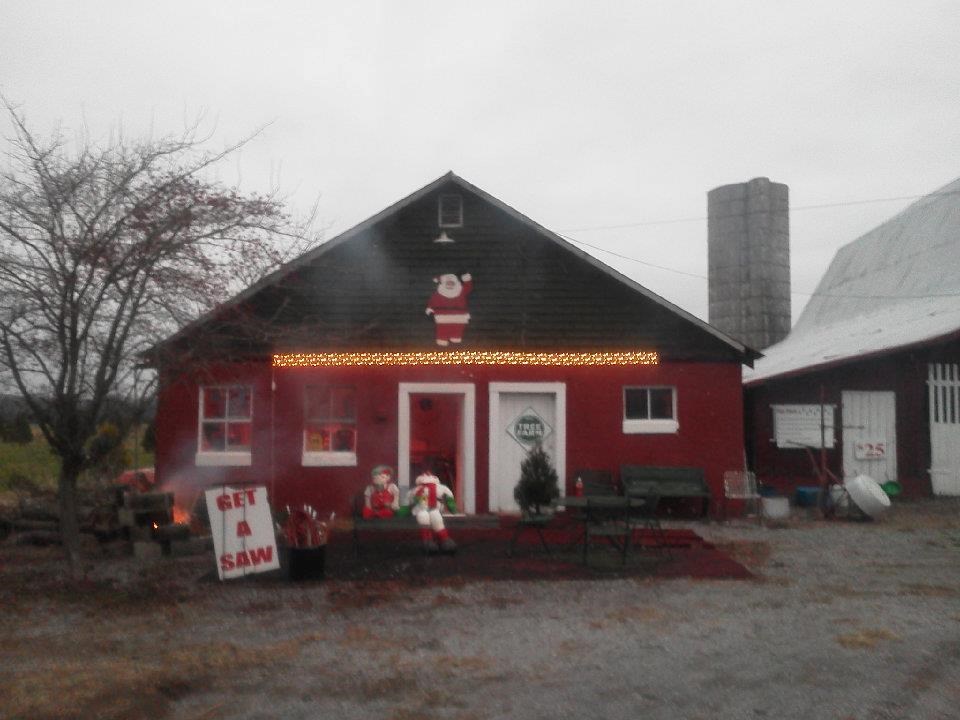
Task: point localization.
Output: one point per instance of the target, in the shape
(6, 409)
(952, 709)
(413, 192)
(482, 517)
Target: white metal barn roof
(896, 286)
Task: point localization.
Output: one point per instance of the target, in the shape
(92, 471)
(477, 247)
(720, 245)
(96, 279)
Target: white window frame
(222, 458)
(650, 426)
(440, 206)
(329, 458)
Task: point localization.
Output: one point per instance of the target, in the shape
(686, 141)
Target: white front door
(943, 385)
(523, 415)
(870, 434)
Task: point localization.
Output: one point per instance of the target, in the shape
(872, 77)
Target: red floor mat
(482, 554)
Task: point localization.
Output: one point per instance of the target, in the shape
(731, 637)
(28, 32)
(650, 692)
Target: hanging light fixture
(443, 237)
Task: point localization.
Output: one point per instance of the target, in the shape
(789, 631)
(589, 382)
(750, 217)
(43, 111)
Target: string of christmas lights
(465, 357)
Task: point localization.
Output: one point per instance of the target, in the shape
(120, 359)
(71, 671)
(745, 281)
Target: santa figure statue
(448, 307)
(426, 499)
(381, 499)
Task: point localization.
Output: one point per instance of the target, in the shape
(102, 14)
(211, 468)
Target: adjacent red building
(450, 330)
(868, 381)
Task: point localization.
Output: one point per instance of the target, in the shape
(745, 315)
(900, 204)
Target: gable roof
(445, 182)
(895, 287)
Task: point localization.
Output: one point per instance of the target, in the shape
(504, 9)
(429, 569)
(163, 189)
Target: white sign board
(796, 426)
(870, 449)
(242, 529)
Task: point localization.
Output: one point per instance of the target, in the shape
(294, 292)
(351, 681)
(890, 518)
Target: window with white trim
(330, 425)
(451, 211)
(226, 425)
(650, 410)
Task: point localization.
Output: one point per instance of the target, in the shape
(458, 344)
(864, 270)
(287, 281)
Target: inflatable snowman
(426, 500)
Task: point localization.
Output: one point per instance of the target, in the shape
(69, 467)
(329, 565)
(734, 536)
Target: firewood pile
(141, 514)
(145, 519)
(35, 520)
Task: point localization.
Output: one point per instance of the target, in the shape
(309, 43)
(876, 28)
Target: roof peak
(450, 176)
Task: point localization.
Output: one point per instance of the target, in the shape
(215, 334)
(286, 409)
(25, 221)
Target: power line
(798, 208)
(792, 292)
(633, 259)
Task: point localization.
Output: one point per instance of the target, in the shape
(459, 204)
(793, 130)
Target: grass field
(33, 467)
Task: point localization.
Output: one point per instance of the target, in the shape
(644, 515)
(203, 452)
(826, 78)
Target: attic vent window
(451, 211)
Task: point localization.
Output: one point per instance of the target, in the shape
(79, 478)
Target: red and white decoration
(448, 307)
(426, 500)
(382, 496)
(303, 528)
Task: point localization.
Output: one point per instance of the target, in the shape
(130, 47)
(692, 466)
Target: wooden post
(824, 476)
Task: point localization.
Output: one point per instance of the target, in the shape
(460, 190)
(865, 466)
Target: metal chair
(608, 522)
(741, 485)
(645, 518)
(537, 523)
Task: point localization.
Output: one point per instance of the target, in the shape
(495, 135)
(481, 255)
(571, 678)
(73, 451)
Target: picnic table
(607, 516)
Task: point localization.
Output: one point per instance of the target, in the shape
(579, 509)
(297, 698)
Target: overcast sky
(581, 115)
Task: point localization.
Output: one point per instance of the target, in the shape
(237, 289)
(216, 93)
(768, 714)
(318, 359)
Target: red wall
(904, 374)
(709, 408)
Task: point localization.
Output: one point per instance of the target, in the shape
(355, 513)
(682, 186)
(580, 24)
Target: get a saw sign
(242, 529)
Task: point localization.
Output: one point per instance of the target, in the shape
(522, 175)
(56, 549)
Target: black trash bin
(306, 563)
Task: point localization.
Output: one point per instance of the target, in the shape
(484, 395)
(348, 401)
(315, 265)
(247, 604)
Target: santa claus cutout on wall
(448, 307)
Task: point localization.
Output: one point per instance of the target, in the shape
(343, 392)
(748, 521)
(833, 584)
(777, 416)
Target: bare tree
(104, 250)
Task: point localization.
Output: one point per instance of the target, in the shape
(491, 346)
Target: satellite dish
(866, 494)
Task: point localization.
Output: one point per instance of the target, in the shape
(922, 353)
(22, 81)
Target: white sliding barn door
(870, 434)
(943, 387)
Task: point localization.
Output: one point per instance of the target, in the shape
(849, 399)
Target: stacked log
(141, 512)
(146, 519)
(36, 521)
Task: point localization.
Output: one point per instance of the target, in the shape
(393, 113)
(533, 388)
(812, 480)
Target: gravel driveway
(846, 620)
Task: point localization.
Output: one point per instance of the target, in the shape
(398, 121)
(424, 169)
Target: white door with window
(523, 415)
(943, 385)
(869, 434)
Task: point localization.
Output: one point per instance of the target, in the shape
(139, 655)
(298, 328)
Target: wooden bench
(408, 522)
(362, 524)
(666, 483)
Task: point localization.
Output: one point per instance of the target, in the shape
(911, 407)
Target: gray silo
(748, 246)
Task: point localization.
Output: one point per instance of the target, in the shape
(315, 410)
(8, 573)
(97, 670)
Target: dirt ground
(845, 620)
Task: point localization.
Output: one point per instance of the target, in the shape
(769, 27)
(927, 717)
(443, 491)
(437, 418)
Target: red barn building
(447, 329)
(873, 364)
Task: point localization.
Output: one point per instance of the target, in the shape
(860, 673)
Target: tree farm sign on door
(242, 529)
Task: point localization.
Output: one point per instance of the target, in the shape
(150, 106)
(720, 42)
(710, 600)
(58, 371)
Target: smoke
(188, 498)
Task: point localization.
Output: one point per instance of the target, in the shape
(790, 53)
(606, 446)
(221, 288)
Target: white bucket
(775, 508)
(866, 494)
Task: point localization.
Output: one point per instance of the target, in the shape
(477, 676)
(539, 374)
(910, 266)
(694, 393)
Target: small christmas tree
(538, 483)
